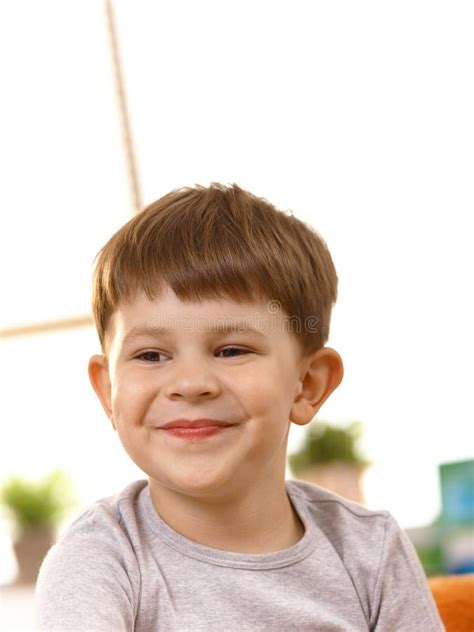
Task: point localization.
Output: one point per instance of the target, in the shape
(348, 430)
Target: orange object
(454, 597)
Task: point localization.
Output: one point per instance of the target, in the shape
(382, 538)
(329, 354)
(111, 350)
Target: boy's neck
(261, 521)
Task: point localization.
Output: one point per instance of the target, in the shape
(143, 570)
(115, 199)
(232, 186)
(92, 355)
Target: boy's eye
(151, 356)
(233, 349)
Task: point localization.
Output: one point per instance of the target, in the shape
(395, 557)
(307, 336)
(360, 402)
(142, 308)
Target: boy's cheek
(127, 409)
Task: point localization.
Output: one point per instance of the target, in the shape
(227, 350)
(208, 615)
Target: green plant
(325, 443)
(42, 503)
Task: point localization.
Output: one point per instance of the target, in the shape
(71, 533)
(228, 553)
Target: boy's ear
(321, 374)
(100, 379)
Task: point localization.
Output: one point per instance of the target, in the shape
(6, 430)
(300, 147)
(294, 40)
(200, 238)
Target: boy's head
(205, 264)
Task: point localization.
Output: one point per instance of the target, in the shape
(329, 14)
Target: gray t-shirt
(119, 567)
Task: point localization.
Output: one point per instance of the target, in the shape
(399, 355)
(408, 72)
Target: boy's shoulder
(347, 525)
(105, 528)
(96, 550)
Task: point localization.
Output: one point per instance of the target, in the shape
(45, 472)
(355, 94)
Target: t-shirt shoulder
(356, 534)
(95, 554)
(378, 556)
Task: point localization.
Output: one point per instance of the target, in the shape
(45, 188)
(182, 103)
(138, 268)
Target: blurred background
(356, 116)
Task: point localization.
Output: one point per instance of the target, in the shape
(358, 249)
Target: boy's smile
(191, 429)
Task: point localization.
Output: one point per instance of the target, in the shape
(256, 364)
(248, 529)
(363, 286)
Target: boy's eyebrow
(220, 328)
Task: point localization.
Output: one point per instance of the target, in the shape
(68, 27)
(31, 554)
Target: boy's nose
(192, 384)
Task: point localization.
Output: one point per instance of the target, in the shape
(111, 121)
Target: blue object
(457, 492)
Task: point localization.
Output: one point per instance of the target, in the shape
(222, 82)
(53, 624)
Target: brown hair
(219, 242)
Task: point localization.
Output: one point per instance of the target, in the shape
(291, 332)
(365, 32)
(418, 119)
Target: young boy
(213, 308)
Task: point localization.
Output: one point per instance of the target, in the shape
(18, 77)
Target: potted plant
(330, 457)
(36, 509)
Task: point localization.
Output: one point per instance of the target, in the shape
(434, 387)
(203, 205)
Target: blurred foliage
(431, 559)
(325, 443)
(42, 503)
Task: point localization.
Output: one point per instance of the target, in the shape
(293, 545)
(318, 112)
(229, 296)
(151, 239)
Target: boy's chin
(198, 486)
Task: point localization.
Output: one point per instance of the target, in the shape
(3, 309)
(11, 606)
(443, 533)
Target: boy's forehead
(167, 314)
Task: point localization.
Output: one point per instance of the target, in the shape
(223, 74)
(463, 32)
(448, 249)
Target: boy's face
(250, 379)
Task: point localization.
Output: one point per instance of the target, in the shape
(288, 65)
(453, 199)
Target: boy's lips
(195, 423)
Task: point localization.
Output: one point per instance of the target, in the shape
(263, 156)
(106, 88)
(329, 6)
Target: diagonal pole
(123, 109)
